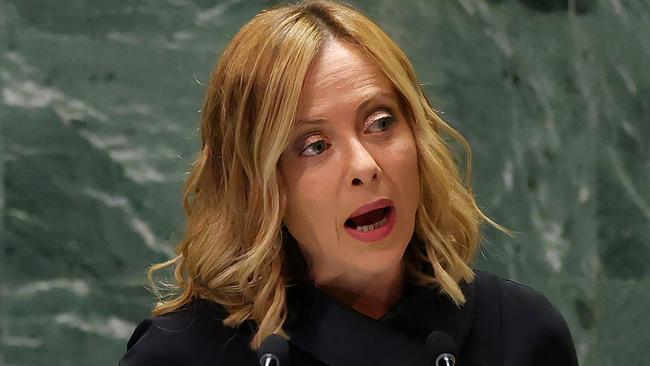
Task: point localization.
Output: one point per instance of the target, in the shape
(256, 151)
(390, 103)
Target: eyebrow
(373, 98)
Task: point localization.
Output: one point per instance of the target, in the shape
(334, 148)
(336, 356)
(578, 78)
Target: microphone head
(274, 347)
(439, 342)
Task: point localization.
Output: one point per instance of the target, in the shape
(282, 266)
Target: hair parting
(235, 251)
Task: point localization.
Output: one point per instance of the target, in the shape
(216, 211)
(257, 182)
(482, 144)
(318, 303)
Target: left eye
(381, 124)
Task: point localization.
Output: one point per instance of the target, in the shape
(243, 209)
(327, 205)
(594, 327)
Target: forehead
(341, 71)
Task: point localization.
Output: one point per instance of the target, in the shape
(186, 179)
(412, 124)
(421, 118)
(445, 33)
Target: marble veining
(99, 109)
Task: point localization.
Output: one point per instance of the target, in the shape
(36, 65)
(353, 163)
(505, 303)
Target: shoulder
(511, 294)
(531, 327)
(516, 299)
(193, 335)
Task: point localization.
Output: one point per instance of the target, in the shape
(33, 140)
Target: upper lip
(380, 203)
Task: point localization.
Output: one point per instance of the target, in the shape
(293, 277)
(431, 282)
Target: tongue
(369, 217)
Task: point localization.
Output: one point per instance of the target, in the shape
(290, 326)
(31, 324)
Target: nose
(363, 167)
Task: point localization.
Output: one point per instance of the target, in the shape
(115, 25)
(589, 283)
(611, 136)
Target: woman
(325, 206)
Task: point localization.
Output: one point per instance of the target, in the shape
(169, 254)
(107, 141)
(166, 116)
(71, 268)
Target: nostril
(356, 181)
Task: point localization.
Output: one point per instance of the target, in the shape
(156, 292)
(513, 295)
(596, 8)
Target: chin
(381, 261)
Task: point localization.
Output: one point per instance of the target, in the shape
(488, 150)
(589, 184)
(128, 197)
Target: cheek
(406, 172)
(309, 200)
(404, 157)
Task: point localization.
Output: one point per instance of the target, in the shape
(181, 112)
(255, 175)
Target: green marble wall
(99, 109)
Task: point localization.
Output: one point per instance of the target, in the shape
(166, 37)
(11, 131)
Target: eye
(316, 147)
(380, 124)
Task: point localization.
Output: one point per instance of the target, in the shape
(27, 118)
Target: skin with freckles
(351, 145)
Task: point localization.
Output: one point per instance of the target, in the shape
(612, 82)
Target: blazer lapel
(338, 335)
(425, 310)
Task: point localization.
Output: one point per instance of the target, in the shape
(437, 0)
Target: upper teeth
(377, 224)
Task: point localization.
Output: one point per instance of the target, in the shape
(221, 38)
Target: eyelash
(389, 118)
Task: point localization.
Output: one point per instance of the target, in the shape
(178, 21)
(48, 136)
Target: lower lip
(377, 234)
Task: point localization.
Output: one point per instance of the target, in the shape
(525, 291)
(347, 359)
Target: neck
(372, 295)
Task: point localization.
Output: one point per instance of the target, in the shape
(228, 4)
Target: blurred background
(100, 104)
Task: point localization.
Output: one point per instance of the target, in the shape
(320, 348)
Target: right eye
(316, 148)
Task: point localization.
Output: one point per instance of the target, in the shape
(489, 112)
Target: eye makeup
(314, 141)
(377, 116)
(313, 138)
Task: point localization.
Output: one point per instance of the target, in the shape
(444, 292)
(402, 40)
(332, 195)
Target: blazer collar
(339, 335)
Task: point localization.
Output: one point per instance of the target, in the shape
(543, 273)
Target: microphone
(441, 346)
(273, 351)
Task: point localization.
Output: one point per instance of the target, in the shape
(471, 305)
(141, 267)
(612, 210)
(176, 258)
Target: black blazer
(502, 323)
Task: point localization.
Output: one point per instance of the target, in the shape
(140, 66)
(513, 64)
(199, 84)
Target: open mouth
(370, 220)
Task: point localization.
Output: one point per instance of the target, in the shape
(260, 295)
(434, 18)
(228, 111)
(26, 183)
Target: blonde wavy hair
(235, 251)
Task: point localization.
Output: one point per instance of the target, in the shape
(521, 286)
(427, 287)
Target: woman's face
(351, 147)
